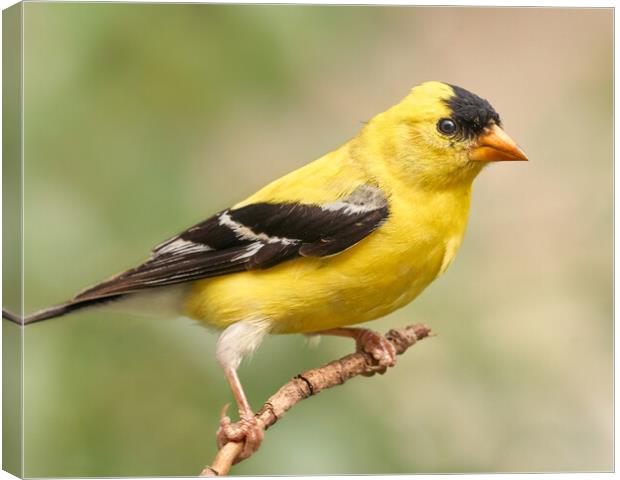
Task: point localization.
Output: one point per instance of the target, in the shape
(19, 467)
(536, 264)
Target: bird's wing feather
(259, 235)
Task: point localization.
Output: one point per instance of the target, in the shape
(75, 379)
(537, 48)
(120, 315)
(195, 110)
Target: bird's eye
(446, 126)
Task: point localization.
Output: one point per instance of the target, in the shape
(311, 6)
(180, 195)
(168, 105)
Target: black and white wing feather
(258, 235)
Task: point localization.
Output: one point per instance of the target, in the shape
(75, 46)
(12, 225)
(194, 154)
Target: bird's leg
(238, 340)
(370, 342)
(247, 429)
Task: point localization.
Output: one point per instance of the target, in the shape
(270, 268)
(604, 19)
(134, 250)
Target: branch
(312, 382)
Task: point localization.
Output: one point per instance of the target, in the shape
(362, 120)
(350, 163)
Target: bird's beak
(494, 145)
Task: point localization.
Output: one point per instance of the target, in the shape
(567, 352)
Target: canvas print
(297, 239)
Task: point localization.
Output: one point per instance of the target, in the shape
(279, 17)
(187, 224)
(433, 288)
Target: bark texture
(312, 382)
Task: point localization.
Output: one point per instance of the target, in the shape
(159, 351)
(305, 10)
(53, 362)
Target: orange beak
(494, 145)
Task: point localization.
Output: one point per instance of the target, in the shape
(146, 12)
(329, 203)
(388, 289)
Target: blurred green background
(141, 120)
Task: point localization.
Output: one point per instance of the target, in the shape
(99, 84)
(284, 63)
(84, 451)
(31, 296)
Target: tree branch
(312, 382)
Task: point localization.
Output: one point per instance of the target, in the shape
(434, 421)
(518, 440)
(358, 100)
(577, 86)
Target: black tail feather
(57, 311)
(41, 315)
(11, 317)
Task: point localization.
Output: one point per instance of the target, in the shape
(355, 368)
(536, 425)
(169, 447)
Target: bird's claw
(247, 430)
(379, 348)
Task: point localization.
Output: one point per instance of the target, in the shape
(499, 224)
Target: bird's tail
(56, 311)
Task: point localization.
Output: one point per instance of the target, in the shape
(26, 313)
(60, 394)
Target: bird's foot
(379, 348)
(247, 430)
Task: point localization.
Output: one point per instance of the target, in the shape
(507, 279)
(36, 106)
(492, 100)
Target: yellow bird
(348, 238)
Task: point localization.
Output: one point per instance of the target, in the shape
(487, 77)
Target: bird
(345, 239)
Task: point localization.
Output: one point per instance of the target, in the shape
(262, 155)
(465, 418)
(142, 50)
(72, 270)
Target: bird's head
(444, 134)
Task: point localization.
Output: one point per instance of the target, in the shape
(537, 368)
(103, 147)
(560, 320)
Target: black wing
(255, 236)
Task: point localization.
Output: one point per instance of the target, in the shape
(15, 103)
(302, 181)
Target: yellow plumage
(348, 238)
(387, 269)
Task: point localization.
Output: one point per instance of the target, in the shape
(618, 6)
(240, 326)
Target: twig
(312, 382)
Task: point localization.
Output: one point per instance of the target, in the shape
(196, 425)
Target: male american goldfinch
(348, 238)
